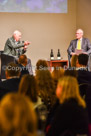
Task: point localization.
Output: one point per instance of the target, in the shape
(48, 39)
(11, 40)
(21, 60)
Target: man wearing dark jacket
(80, 43)
(14, 46)
(23, 65)
(12, 80)
(84, 76)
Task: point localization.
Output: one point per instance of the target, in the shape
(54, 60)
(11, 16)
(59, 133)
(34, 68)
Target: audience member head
(82, 60)
(46, 86)
(28, 86)
(12, 70)
(17, 117)
(17, 35)
(79, 33)
(41, 65)
(71, 72)
(23, 60)
(45, 80)
(74, 60)
(56, 74)
(68, 88)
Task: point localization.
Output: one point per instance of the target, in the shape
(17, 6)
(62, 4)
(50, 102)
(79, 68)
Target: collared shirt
(16, 42)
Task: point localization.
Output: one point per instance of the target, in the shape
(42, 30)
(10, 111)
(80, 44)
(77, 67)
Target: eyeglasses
(78, 33)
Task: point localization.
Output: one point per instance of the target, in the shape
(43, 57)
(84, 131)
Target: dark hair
(41, 64)
(22, 59)
(83, 59)
(28, 86)
(71, 72)
(74, 60)
(12, 69)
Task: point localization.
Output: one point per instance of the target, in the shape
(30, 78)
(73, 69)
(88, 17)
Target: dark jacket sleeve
(69, 50)
(88, 46)
(12, 44)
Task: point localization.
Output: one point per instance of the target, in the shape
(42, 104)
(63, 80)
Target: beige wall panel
(45, 31)
(84, 16)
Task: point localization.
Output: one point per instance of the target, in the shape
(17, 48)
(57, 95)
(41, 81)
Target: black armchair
(4, 60)
(0, 64)
(69, 63)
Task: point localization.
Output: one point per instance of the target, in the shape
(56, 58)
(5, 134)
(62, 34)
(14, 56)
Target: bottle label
(58, 58)
(52, 58)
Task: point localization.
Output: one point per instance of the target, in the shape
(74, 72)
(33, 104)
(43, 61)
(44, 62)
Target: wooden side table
(57, 64)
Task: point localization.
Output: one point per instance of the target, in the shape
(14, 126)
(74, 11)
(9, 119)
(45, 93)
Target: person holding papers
(79, 45)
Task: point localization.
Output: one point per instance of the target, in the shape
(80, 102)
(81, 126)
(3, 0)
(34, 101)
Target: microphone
(22, 41)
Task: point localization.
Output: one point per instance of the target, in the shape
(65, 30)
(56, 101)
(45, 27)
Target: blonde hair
(74, 60)
(17, 117)
(57, 73)
(70, 89)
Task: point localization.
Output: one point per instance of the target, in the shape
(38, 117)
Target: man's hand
(73, 53)
(85, 53)
(26, 43)
(25, 47)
